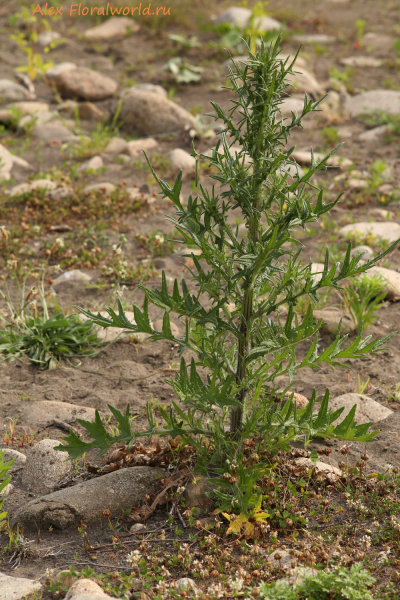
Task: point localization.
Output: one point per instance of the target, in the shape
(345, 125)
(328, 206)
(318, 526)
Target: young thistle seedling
(244, 350)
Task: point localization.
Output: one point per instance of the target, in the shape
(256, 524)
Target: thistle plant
(246, 337)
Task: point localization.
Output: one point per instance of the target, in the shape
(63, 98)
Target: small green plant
(95, 143)
(30, 331)
(184, 42)
(361, 386)
(363, 297)
(396, 46)
(377, 170)
(330, 135)
(360, 28)
(182, 71)
(340, 583)
(4, 481)
(376, 117)
(27, 41)
(241, 338)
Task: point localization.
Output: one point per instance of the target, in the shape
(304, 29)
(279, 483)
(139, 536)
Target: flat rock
(95, 163)
(368, 252)
(10, 91)
(85, 84)
(361, 61)
(195, 495)
(268, 24)
(44, 467)
(235, 16)
(85, 501)
(303, 157)
(290, 105)
(54, 130)
(298, 399)
(381, 214)
(110, 334)
(70, 276)
(114, 28)
(321, 469)
(383, 231)
(136, 147)
(332, 319)
(151, 88)
(61, 193)
(357, 184)
(147, 113)
(303, 82)
(86, 589)
(386, 100)
(8, 161)
(40, 414)
(180, 159)
(38, 184)
(17, 588)
(106, 188)
(18, 457)
(367, 409)
(392, 281)
(373, 135)
(158, 325)
(29, 108)
(47, 37)
(117, 146)
(53, 72)
(315, 38)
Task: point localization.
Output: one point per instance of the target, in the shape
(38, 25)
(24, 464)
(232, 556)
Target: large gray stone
(40, 414)
(147, 113)
(114, 28)
(85, 501)
(303, 82)
(86, 589)
(361, 61)
(367, 409)
(44, 467)
(382, 230)
(235, 16)
(303, 157)
(18, 458)
(110, 334)
(8, 161)
(85, 84)
(10, 91)
(17, 588)
(374, 135)
(391, 281)
(53, 72)
(386, 100)
(105, 187)
(180, 159)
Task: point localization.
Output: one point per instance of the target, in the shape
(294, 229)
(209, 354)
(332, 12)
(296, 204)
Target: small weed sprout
(182, 71)
(184, 42)
(29, 330)
(363, 297)
(244, 350)
(27, 41)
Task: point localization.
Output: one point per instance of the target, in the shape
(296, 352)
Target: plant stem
(247, 310)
